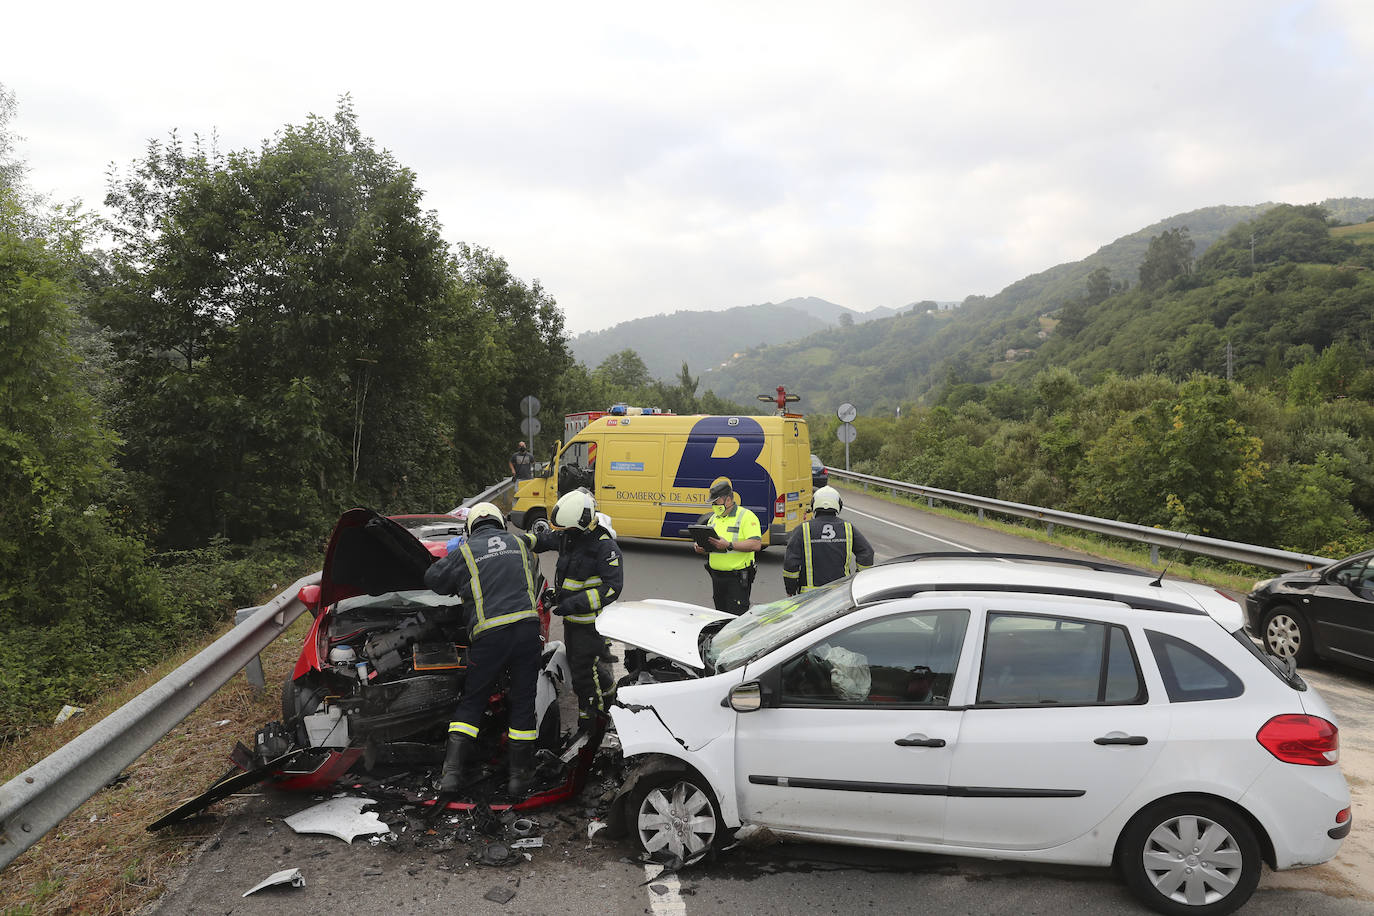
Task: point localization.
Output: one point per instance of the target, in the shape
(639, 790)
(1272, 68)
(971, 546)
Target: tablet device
(702, 534)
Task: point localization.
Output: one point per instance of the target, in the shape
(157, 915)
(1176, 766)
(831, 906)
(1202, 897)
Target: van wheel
(1190, 857)
(538, 524)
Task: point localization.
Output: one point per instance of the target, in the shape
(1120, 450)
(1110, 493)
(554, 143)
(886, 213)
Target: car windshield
(767, 626)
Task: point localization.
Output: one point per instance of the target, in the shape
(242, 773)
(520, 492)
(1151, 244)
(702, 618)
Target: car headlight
(1262, 585)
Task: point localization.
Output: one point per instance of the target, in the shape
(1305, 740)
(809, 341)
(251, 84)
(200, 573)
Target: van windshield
(766, 626)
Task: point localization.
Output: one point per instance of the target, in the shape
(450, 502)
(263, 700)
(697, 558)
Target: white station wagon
(1000, 706)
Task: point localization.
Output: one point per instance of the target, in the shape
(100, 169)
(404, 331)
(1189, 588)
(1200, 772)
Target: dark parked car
(819, 476)
(1326, 613)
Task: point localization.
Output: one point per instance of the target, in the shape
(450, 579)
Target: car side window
(1031, 660)
(1189, 673)
(903, 660)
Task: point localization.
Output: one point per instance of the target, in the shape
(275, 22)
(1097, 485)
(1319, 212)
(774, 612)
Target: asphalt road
(431, 873)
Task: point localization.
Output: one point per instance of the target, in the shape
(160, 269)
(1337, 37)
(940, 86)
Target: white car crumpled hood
(671, 629)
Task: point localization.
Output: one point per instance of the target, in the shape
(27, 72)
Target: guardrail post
(1154, 554)
(980, 514)
(1049, 529)
(930, 502)
(252, 670)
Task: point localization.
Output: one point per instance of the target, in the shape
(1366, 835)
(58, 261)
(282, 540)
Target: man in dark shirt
(522, 463)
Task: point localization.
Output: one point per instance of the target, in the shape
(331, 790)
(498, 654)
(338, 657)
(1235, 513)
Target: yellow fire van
(651, 473)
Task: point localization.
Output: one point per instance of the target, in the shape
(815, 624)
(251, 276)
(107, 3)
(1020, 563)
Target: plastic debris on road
(291, 876)
(340, 817)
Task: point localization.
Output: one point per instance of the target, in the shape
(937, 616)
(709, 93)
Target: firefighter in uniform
(731, 561)
(824, 548)
(587, 578)
(494, 573)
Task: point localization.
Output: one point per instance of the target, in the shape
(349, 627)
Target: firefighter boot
(456, 761)
(521, 768)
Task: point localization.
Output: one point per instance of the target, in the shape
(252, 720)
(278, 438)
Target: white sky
(637, 158)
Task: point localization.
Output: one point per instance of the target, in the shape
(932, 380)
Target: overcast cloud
(636, 158)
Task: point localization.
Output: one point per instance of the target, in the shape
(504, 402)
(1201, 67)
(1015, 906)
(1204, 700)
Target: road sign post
(846, 433)
(529, 425)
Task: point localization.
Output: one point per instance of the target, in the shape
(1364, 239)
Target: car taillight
(780, 506)
(1305, 740)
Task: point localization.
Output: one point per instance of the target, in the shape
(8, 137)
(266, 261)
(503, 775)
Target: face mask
(718, 511)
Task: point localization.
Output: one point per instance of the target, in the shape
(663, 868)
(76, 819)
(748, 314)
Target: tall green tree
(1170, 255)
(271, 311)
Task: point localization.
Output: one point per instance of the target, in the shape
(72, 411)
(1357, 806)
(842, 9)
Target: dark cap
(721, 488)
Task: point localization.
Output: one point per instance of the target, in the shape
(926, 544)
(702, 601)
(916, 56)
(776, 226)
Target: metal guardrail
(37, 800)
(1266, 557)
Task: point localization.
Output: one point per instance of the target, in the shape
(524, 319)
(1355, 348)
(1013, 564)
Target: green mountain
(908, 358)
(664, 342)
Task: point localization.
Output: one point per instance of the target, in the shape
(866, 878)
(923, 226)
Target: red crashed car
(381, 672)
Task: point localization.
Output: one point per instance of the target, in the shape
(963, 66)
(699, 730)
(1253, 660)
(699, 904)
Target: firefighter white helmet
(485, 513)
(575, 509)
(827, 498)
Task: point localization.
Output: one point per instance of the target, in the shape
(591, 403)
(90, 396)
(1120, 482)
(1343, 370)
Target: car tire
(674, 816)
(1190, 855)
(1286, 634)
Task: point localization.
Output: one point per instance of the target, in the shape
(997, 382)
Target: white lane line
(668, 903)
(912, 530)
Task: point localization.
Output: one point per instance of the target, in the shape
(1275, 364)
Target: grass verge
(101, 860)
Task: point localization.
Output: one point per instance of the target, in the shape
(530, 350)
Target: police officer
(824, 548)
(731, 561)
(494, 573)
(587, 578)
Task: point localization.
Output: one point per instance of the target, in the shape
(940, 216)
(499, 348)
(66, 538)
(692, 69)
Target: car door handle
(1122, 739)
(919, 741)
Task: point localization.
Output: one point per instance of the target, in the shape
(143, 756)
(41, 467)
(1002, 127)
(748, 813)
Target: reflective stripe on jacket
(589, 575)
(740, 525)
(492, 572)
(822, 550)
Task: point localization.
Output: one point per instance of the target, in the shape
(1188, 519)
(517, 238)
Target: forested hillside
(901, 360)
(1125, 409)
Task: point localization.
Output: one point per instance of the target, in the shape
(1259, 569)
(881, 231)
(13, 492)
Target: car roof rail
(1098, 565)
(1133, 601)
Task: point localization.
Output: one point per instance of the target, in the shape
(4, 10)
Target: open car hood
(668, 628)
(369, 554)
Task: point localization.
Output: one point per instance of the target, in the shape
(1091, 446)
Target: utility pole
(1229, 361)
(1252, 255)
